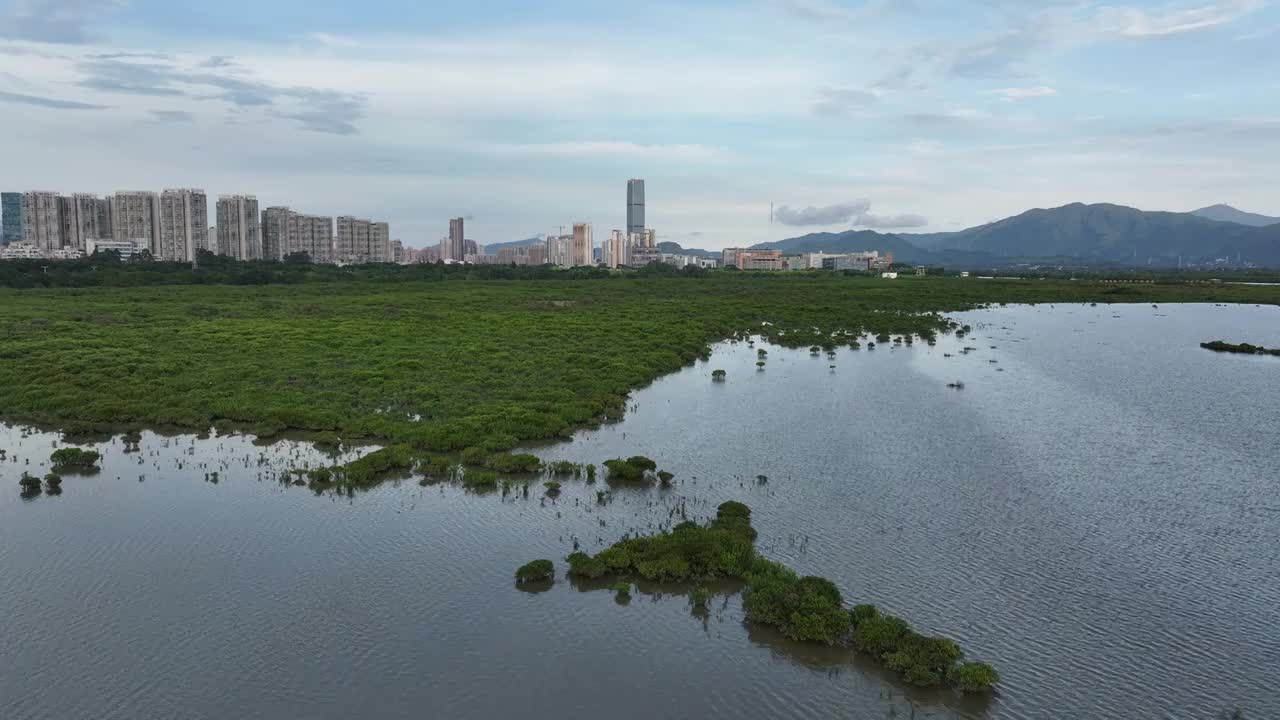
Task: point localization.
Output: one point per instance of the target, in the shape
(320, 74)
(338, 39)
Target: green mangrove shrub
(74, 458)
(536, 571)
(507, 463)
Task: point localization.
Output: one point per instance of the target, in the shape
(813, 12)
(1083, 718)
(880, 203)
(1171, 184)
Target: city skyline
(889, 115)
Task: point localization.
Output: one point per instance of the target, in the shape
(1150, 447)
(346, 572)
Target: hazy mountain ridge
(1226, 213)
(1099, 233)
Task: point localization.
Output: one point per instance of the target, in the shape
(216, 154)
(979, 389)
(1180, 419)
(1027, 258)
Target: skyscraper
(278, 223)
(42, 220)
(11, 216)
(380, 243)
(584, 250)
(239, 227)
(184, 224)
(352, 243)
(81, 215)
(285, 233)
(315, 237)
(457, 245)
(136, 216)
(635, 206)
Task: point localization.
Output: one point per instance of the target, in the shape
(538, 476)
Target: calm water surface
(1097, 513)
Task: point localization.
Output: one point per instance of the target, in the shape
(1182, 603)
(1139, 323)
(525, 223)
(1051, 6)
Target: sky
(893, 115)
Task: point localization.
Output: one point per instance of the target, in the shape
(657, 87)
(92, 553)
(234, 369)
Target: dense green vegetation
(1240, 349)
(536, 571)
(802, 608)
(635, 469)
(439, 359)
(74, 458)
(508, 463)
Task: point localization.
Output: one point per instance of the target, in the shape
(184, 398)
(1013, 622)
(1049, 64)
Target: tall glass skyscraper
(11, 217)
(635, 206)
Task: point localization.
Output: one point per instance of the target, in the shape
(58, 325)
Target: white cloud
(606, 149)
(856, 214)
(1023, 93)
(1138, 23)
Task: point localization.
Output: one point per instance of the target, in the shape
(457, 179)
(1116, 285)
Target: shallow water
(1095, 514)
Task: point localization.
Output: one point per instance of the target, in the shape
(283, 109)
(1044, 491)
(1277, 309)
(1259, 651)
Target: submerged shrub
(327, 440)
(536, 571)
(370, 469)
(508, 463)
(474, 456)
(74, 458)
(631, 470)
(480, 480)
(973, 677)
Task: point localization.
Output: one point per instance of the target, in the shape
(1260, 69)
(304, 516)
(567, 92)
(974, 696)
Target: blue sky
(896, 115)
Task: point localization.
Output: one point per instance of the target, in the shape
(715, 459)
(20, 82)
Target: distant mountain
(675, 249)
(850, 241)
(1226, 213)
(1097, 235)
(492, 249)
(926, 240)
(1114, 233)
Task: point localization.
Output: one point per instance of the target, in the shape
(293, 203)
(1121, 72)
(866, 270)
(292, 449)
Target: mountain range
(1098, 234)
(1090, 234)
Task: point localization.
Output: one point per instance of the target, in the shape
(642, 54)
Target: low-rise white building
(21, 251)
(126, 248)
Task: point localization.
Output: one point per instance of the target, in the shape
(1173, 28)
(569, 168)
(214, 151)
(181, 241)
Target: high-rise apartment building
(635, 206)
(313, 236)
(285, 233)
(135, 215)
(456, 248)
(583, 248)
(82, 217)
(42, 220)
(380, 243)
(560, 250)
(278, 223)
(184, 224)
(10, 218)
(239, 228)
(354, 241)
(617, 251)
(106, 230)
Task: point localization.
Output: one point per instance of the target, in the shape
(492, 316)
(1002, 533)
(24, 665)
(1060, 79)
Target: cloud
(1023, 93)
(47, 102)
(838, 101)
(172, 116)
(959, 117)
(1137, 23)
(331, 40)
(54, 21)
(814, 9)
(855, 214)
(315, 109)
(606, 148)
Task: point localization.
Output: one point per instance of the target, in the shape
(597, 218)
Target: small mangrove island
(802, 608)
(1240, 349)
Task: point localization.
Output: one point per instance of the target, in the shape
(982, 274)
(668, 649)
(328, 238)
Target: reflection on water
(1094, 513)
